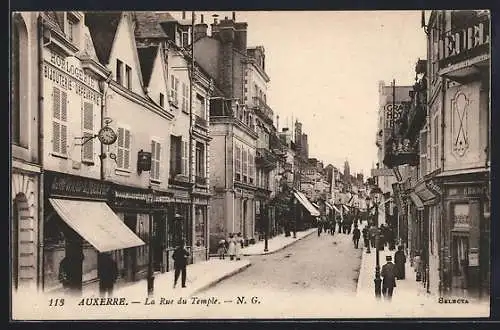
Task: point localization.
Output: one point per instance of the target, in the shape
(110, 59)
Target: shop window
(123, 153)
(200, 227)
(88, 132)
(59, 122)
(460, 249)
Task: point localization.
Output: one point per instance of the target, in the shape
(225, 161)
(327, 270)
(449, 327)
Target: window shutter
(88, 132)
(56, 127)
(56, 137)
(178, 155)
(158, 159)
(56, 102)
(153, 158)
(119, 156)
(126, 153)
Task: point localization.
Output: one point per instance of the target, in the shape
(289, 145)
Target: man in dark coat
(366, 241)
(388, 274)
(356, 234)
(180, 262)
(399, 261)
(107, 272)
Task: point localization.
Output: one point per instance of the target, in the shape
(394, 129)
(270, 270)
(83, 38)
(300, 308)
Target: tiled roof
(102, 27)
(148, 23)
(147, 57)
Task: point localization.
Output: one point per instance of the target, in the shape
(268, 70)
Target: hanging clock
(107, 135)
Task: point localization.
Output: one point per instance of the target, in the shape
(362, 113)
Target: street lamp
(376, 195)
(150, 199)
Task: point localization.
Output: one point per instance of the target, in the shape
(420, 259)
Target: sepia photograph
(182, 165)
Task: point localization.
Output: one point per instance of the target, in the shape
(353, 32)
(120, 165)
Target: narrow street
(325, 263)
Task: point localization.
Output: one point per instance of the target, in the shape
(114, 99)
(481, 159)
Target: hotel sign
(393, 113)
(466, 39)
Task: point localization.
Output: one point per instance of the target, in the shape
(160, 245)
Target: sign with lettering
(68, 74)
(456, 42)
(461, 215)
(393, 112)
(60, 184)
(139, 197)
(473, 258)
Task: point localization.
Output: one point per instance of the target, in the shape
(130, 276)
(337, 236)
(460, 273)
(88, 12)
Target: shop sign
(473, 258)
(393, 113)
(137, 197)
(433, 187)
(463, 40)
(465, 191)
(74, 186)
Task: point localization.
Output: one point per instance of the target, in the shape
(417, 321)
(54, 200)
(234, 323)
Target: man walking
(107, 273)
(366, 241)
(180, 262)
(400, 260)
(388, 274)
(356, 234)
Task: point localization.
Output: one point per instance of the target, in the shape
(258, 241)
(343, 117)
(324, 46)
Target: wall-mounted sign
(466, 39)
(60, 184)
(473, 258)
(140, 198)
(393, 112)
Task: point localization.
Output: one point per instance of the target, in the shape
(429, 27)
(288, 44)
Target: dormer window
(72, 22)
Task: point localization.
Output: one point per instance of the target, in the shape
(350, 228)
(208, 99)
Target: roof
(102, 27)
(147, 57)
(148, 23)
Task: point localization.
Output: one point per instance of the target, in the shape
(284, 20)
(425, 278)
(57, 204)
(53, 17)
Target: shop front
(466, 266)
(78, 225)
(201, 225)
(136, 207)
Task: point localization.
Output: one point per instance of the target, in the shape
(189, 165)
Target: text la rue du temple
(194, 300)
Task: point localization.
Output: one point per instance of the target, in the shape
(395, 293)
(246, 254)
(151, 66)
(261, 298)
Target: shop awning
(306, 203)
(424, 193)
(417, 201)
(96, 223)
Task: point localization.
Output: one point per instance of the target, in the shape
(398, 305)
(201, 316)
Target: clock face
(107, 136)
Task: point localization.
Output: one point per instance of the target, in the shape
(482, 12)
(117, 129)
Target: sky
(325, 67)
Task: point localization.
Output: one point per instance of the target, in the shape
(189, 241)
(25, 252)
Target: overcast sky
(325, 67)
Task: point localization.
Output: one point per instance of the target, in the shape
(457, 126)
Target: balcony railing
(202, 122)
(201, 180)
(261, 106)
(230, 108)
(400, 151)
(179, 180)
(265, 158)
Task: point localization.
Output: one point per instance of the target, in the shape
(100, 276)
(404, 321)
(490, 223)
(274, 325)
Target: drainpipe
(40, 263)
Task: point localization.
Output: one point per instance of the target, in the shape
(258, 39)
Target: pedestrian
(231, 250)
(356, 234)
(222, 248)
(388, 274)
(70, 272)
(180, 262)
(65, 272)
(381, 238)
(391, 239)
(320, 227)
(373, 234)
(399, 261)
(107, 272)
(332, 227)
(366, 241)
(239, 245)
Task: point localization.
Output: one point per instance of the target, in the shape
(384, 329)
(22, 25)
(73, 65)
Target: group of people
(344, 225)
(385, 234)
(231, 246)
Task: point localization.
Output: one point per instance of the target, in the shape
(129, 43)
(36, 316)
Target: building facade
(26, 218)
(459, 148)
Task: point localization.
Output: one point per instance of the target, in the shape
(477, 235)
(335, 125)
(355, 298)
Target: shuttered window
(59, 121)
(185, 97)
(174, 87)
(245, 165)
(155, 160)
(251, 169)
(123, 152)
(185, 155)
(237, 163)
(88, 132)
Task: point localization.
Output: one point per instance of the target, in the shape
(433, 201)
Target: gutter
(40, 258)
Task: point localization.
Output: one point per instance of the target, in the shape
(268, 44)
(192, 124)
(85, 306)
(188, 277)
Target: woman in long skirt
(232, 247)
(238, 243)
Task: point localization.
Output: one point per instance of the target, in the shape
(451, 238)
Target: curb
(220, 279)
(279, 249)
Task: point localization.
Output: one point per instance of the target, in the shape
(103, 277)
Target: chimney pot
(201, 18)
(234, 16)
(183, 15)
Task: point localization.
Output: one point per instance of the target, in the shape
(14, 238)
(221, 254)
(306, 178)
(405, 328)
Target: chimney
(234, 16)
(277, 123)
(215, 26)
(200, 30)
(183, 15)
(226, 36)
(240, 36)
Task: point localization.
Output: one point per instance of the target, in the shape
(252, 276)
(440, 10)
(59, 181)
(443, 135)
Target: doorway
(159, 239)
(130, 254)
(244, 219)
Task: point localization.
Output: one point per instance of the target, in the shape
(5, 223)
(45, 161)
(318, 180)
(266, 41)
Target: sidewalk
(200, 276)
(276, 243)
